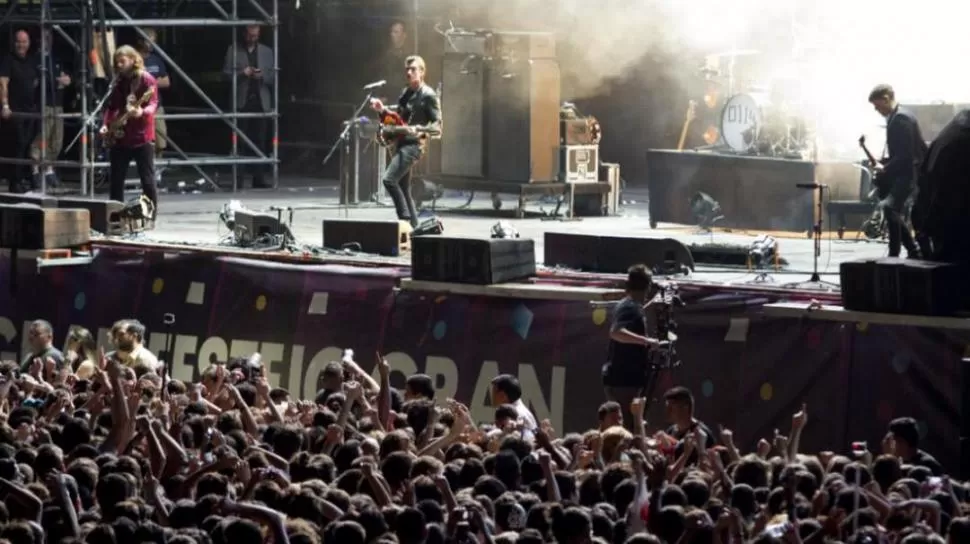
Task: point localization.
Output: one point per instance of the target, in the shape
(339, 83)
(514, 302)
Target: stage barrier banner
(748, 372)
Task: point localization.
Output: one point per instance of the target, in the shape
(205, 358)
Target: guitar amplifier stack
(501, 94)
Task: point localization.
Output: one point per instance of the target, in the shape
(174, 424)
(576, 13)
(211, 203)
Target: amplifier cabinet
(43, 201)
(579, 163)
(610, 173)
(463, 103)
(25, 226)
(519, 46)
(389, 238)
(522, 121)
(478, 261)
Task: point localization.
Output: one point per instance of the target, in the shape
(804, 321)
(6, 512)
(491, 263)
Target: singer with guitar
(895, 178)
(406, 130)
(129, 125)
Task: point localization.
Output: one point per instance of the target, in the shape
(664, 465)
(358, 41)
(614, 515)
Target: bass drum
(741, 121)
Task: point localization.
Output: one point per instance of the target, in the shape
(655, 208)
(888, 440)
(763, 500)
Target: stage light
(228, 213)
(503, 229)
(762, 251)
(710, 100)
(706, 210)
(139, 209)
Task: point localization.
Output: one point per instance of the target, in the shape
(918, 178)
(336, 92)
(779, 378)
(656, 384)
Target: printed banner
(748, 372)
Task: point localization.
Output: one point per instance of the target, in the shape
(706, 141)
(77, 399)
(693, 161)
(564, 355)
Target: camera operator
(627, 366)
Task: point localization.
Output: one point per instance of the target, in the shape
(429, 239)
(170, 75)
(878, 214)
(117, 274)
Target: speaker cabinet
(478, 261)
(522, 120)
(390, 238)
(462, 106)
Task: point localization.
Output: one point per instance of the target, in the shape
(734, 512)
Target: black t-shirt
(710, 441)
(923, 459)
(627, 363)
(24, 87)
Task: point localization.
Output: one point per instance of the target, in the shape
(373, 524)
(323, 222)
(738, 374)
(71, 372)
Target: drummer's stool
(841, 210)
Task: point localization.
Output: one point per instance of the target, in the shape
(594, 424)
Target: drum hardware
(752, 124)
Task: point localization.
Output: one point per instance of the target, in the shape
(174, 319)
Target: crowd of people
(104, 448)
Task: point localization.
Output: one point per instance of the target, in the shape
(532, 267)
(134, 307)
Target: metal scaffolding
(101, 15)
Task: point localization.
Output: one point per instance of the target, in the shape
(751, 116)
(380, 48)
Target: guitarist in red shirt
(418, 117)
(129, 125)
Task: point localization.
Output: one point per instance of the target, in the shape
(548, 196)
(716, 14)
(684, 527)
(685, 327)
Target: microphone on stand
(375, 85)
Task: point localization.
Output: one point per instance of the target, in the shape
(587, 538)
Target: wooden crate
(25, 226)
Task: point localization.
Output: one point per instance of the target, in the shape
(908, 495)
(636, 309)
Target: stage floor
(193, 219)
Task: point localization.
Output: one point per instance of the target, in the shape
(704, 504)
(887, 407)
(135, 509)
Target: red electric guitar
(394, 129)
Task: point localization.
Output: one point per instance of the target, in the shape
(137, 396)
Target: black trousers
(397, 181)
(257, 130)
(144, 156)
(900, 235)
(17, 137)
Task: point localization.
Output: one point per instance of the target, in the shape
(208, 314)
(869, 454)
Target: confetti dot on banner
(158, 285)
(599, 316)
(707, 388)
(439, 330)
(884, 412)
(767, 391)
(261, 302)
(923, 428)
(80, 300)
(440, 299)
(522, 321)
(862, 326)
(901, 362)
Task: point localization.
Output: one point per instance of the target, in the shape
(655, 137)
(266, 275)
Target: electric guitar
(394, 129)
(878, 181)
(116, 130)
(691, 115)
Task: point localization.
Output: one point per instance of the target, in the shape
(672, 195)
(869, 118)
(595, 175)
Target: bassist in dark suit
(896, 176)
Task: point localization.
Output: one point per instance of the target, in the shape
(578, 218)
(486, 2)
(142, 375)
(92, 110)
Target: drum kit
(758, 118)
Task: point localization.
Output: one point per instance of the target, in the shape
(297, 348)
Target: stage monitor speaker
(463, 103)
(614, 254)
(478, 261)
(104, 213)
(249, 226)
(522, 121)
(390, 238)
(26, 226)
(42, 201)
(903, 286)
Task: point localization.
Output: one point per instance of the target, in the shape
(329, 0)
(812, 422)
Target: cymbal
(737, 53)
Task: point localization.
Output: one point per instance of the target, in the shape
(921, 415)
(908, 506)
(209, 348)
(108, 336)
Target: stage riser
(754, 192)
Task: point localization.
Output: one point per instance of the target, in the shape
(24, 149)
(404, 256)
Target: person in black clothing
(419, 107)
(625, 372)
(680, 412)
(896, 176)
(904, 437)
(393, 57)
(19, 93)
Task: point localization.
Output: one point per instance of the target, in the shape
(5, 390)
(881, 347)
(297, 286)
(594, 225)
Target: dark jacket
(907, 149)
(419, 107)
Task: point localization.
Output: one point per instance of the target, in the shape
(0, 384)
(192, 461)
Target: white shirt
(526, 416)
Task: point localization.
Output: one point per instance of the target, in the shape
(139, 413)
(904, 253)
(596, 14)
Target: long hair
(134, 55)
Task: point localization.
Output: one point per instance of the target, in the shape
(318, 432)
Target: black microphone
(375, 84)
(811, 186)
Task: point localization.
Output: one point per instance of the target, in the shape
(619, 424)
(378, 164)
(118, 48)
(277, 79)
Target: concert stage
(754, 192)
(748, 369)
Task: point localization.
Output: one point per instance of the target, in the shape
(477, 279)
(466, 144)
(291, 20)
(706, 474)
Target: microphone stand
(344, 137)
(816, 279)
(89, 121)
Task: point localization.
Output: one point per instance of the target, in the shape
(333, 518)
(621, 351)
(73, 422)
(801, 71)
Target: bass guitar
(394, 129)
(881, 185)
(116, 130)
